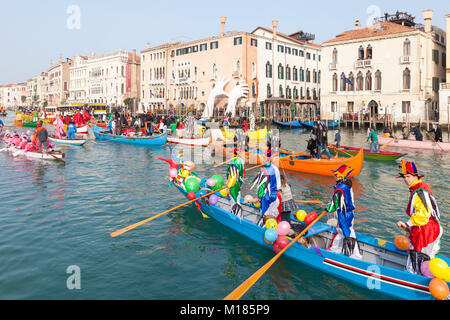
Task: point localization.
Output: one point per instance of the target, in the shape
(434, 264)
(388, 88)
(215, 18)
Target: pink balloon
(283, 228)
(173, 172)
(282, 242)
(211, 182)
(425, 269)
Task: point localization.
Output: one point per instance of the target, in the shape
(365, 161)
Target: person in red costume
(86, 116)
(423, 226)
(78, 118)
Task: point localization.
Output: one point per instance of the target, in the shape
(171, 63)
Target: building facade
(78, 86)
(391, 70)
(37, 90)
(444, 92)
(58, 83)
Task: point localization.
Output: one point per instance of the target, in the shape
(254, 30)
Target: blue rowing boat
(310, 124)
(155, 140)
(382, 268)
(291, 124)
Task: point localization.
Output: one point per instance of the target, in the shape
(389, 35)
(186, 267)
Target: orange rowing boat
(301, 162)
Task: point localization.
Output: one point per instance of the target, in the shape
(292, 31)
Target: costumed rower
(268, 182)
(423, 226)
(342, 203)
(60, 133)
(71, 130)
(235, 176)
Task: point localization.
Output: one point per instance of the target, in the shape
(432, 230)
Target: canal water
(57, 218)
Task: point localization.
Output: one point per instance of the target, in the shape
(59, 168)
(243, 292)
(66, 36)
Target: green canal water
(54, 217)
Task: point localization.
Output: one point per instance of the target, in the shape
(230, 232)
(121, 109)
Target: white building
(37, 88)
(444, 92)
(287, 67)
(391, 70)
(78, 87)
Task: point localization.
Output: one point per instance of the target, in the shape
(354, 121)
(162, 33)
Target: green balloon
(219, 182)
(192, 184)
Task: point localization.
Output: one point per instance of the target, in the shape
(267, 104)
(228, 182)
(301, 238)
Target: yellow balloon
(301, 215)
(185, 173)
(447, 275)
(271, 223)
(224, 192)
(439, 268)
(257, 204)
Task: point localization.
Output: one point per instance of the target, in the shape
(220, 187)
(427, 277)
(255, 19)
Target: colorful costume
(342, 204)
(236, 173)
(71, 130)
(59, 127)
(424, 218)
(269, 183)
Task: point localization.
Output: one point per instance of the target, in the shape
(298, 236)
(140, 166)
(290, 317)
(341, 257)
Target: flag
(347, 80)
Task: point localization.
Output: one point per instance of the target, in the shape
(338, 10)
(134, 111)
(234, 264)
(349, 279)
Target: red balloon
(310, 217)
(282, 242)
(191, 195)
(276, 248)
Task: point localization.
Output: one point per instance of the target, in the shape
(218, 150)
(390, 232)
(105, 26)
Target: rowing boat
(310, 124)
(301, 162)
(253, 135)
(190, 141)
(36, 155)
(73, 142)
(414, 144)
(381, 156)
(155, 140)
(382, 268)
(291, 124)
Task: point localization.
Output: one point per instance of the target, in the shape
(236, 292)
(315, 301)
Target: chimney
(427, 16)
(134, 55)
(274, 25)
(223, 19)
(357, 25)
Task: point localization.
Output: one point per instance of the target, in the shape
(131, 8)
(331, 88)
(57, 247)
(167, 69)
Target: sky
(35, 33)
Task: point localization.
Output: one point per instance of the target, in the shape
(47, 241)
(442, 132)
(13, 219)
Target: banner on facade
(128, 73)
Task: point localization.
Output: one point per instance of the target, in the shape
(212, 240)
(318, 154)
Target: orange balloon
(401, 242)
(438, 288)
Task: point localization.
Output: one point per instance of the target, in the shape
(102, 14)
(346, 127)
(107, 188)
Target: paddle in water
(237, 293)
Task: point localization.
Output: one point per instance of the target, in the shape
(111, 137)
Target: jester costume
(342, 204)
(236, 172)
(269, 183)
(424, 218)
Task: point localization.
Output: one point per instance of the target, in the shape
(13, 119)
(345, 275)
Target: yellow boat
(253, 135)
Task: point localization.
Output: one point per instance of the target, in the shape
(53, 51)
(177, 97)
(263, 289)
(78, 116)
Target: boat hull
(290, 124)
(196, 142)
(157, 140)
(304, 163)
(414, 144)
(382, 156)
(393, 281)
(310, 124)
(35, 155)
(72, 142)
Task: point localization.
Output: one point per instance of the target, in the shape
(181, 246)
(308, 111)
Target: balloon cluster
(275, 234)
(439, 270)
(307, 218)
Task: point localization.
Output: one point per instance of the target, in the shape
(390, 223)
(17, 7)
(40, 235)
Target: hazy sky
(33, 33)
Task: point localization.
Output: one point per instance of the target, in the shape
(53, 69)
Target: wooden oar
(339, 149)
(309, 201)
(237, 293)
(432, 139)
(121, 231)
(384, 145)
(60, 160)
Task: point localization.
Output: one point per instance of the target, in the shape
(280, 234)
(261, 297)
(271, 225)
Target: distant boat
(414, 144)
(375, 156)
(155, 140)
(310, 124)
(73, 142)
(291, 124)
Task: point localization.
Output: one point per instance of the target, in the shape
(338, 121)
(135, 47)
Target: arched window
(280, 71)
(294, 74)
(368, 81)
(378, 80)
(334, 82)
(253, 70)
(361, 53)
(281, 91)
(268, 70)
(406, 48)
(301, 93)
(308, 95)
(351, 86)
(295, 93)
(314, 94)
(238, 65)
(359, 82)
(334, 56)
(406, 79)
(342, 82)
(302, 74)
(269, 91)
(369, 52)
(308, 75)
(253, 90)
(288, 72)
(318, 77)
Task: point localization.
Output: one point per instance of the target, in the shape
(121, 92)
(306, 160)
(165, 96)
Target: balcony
(405, 59)
(363, 63)
(236, 74)
(332, 66)
(445, 86)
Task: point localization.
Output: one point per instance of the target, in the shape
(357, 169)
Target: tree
(128, 101)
